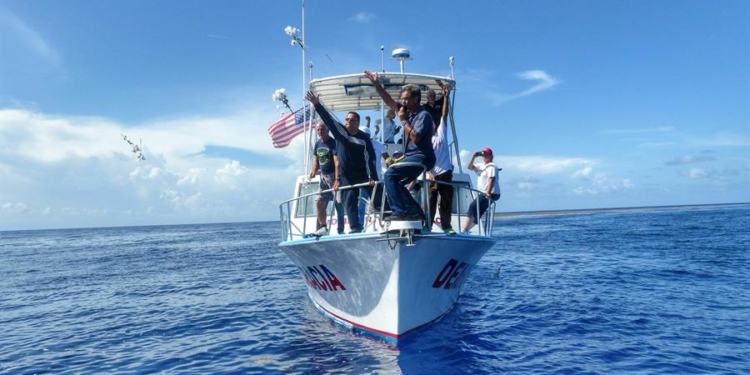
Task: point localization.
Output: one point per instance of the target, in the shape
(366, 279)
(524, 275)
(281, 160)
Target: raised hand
(312, 98)
(373, 76)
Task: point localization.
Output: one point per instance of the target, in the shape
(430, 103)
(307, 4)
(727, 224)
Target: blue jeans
(339, 216)
(395, 178)
(365, 194)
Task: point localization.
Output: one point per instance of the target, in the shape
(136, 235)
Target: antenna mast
(382, 58)
(401, 55)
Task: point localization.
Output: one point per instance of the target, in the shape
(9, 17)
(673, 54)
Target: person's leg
(320, 205)
(339, 216)
(351, 199)
(471, 216)
(364, 195)
(434, 189)
(446, 199)
(484, 203)
(321, 201)
(400, 200)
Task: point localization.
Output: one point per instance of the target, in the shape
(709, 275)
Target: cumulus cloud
(191, 176)
(230, 174)
(53, 138)
(65, 166)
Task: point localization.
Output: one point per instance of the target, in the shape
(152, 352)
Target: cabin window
(306, 205)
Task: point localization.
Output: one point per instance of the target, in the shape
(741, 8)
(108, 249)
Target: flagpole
(308, 135)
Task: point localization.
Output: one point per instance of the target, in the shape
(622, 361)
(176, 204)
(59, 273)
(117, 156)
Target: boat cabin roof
(356, 92)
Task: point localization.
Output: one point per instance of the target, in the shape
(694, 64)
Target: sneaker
(449, 231)
(321, 232)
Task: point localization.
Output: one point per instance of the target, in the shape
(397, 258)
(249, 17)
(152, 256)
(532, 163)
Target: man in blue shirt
(417, 125)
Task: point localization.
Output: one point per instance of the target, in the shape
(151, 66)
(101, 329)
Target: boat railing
(286, 208)
(291, 228)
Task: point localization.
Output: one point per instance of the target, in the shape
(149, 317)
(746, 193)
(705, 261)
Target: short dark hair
(355, 114)
(414, 92)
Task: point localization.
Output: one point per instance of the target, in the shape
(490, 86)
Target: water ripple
(632, 292)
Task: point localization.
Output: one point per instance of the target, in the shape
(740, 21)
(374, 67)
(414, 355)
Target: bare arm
(337, 173)
(315, 167)
(446, 99)
(337, 129)
(471, 162)
(381, 91)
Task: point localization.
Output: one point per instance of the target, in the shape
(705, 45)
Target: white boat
(394, 277)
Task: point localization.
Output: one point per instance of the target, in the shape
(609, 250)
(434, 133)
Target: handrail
(489, 223)
(289, 228)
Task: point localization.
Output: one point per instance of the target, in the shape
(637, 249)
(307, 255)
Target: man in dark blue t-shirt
(325, 161)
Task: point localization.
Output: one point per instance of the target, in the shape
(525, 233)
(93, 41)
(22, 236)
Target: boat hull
(382, 284)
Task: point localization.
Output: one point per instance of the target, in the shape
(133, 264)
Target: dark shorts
(479, 205)
(326, 183)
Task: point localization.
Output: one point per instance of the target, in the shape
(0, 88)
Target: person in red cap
(487, 182)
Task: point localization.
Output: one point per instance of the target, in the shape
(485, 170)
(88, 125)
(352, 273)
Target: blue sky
(587, 104)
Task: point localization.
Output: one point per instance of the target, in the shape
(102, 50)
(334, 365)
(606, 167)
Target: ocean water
(664, 291)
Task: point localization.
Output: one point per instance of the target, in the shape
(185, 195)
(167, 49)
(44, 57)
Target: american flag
(283, 131)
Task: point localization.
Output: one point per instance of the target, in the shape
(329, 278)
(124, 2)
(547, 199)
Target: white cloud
(600, 183)
(70, 167)
(695, 173)
(583, 173)
(363, 17)
(230, 174)
(526, 185)
(14, 208)
(544, 82)
(191, 176)
(689, 159)
(723, 139)
(658, 129)
(29, 38)
(546, 165)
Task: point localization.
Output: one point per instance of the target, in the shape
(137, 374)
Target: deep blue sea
(660, 291)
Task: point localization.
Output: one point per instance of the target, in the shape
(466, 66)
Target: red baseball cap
(487, 151)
